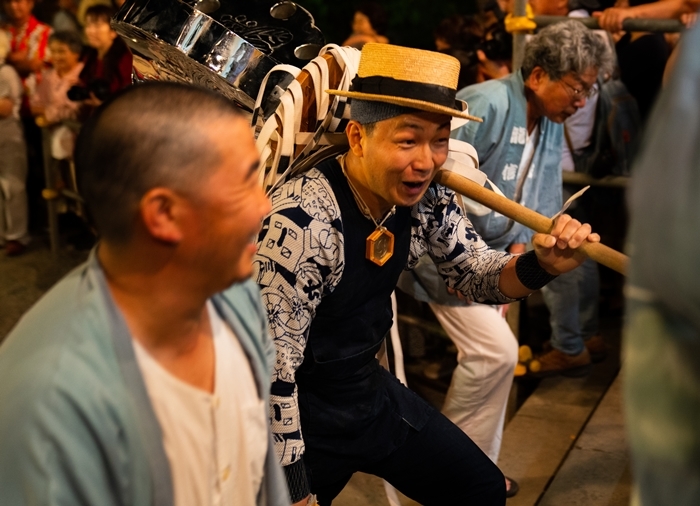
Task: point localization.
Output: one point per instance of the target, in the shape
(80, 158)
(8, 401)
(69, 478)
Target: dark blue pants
(437, 465)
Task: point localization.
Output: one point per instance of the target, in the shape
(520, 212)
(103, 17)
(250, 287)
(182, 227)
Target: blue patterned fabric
(500, 141)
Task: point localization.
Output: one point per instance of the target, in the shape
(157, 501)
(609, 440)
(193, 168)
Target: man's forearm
(666, 9)
(520, 280)
(6, 106)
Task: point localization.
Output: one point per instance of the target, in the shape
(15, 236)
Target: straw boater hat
(407, 77)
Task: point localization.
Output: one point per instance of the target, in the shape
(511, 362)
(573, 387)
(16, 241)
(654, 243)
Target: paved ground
(25, 278)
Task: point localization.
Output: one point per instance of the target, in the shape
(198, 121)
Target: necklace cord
(359, 200)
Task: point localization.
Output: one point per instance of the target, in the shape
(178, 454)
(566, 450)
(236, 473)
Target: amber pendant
(380, 246)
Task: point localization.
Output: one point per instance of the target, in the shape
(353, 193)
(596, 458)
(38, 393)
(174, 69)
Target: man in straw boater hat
(329, 256)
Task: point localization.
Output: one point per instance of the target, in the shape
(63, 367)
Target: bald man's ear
(355, 133)
(159, 210)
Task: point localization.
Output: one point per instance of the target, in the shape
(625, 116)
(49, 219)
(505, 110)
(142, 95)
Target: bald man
(142, 377)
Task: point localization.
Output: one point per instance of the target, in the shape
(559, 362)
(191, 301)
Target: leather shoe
(556, 362)
(14, 248)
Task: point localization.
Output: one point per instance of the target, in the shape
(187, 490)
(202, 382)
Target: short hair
(101, 12)
(69, 38)
(376, 14)
(459, 31)
(148, 135)
(566, 47)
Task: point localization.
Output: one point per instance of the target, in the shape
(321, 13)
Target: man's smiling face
(401, 155)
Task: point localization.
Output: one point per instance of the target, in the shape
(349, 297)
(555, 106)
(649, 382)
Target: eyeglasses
(580, 93)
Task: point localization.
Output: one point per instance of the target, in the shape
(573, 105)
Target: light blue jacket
(500, 142)
(76, 423)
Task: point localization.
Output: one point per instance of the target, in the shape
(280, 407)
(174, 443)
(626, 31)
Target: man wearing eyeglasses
(520, 149)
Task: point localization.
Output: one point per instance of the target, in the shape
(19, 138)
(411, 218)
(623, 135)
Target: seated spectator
(143, 376)
(50, 103)
(13, 159)
(368, 25)
(108, 62)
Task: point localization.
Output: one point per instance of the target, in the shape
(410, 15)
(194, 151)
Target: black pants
(438, 465)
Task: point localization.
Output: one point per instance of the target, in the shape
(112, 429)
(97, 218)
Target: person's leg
(561, 296)
(440, 465)
(487, 353)
(13, 174)
(589, 294)
(327, 474)
(16, 218)
(327, 491)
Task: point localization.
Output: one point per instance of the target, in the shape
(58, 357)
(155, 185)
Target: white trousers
(13, 176)
(487, 354)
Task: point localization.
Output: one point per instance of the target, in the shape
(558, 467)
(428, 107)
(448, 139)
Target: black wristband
(530, 272)
(297, 482)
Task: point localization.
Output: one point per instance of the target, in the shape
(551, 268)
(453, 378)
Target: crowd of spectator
(61, 59)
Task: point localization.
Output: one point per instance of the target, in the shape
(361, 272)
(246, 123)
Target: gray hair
(567, 47)
(149, 135)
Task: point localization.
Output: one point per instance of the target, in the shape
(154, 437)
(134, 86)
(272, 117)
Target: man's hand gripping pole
(599, 252)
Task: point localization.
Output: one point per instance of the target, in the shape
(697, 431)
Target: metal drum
(225, 45)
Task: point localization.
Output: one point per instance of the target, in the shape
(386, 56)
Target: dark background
(411, 22)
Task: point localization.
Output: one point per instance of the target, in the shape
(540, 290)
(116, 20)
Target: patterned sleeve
(462, 257)
(300, 259)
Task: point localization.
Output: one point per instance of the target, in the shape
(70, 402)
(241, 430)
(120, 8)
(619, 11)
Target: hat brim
(408, 102)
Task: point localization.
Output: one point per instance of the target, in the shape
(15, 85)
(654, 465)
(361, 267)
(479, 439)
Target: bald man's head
(151, 135)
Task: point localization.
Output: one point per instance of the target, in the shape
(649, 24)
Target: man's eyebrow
(416, 126)
(408, 124)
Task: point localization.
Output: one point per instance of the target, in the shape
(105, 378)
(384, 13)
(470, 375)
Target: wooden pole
(531, 219)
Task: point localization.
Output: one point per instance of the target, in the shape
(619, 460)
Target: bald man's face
(228, 207)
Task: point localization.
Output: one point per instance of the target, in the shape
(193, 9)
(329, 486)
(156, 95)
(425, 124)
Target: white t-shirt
(524, 171)
(216, 443)
(579, 128)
